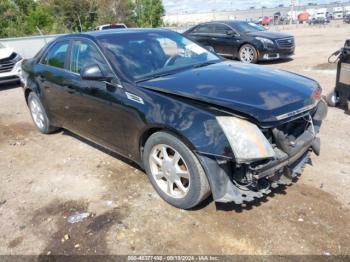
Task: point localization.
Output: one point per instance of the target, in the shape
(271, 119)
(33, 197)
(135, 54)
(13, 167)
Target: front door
(223, 40)
(95, 108)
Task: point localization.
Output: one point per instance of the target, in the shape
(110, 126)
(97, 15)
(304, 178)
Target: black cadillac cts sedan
(198, 125)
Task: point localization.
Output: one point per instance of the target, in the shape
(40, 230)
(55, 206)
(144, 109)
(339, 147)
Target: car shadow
(268, 62)
(102, 149)
(276, 62)
(239, 208)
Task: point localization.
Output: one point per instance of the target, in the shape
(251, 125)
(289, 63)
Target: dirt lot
(45, 179)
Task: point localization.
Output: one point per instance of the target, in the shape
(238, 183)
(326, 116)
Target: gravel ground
(44, 179)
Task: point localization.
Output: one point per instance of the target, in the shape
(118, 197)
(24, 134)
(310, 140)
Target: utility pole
(215, 10)
(292, 11)
(151, 10)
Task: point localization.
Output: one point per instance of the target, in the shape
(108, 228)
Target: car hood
(260, 92)
(270, 34)
(5, 52)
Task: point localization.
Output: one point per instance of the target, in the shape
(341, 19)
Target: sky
(180, 6)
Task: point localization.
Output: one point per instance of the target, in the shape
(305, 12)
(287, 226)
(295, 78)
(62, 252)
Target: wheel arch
(249, 43)
(27, 91)
(31, 86)
(236, 51)
(147, 133)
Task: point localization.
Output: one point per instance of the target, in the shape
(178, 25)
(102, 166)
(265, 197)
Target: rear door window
(203, 29)
(56, 56)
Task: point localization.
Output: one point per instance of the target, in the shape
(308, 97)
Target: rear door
(222, 41)
(50, 74)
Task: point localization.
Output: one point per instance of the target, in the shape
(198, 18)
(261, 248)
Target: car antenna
(41, 33)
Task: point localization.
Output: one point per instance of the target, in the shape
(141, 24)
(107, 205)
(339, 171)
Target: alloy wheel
(170, 171)
(247, 54)
(37, 113)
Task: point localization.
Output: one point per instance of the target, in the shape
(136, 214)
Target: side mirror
(230, 33)
(93, 72)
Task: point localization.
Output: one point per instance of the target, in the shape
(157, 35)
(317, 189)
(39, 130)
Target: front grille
(7, 64)
(286, 43)
(6, 67)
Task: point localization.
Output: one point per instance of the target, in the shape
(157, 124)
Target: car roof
(227, 21)
(95, 34)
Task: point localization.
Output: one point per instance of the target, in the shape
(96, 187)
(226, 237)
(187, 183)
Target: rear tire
(248, 54)
(39, 115)
(174, 171)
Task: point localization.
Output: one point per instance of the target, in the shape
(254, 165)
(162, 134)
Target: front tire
(174, 171)
(39, 115)
(248, 54)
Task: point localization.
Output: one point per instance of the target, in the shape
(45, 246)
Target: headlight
(17, 58)
(246, 140)
(266, 42)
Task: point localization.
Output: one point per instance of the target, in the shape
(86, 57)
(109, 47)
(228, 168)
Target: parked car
(347, 19)
(10, 65)
(246, 41)
(110, 26)
(319, 21)
(197, 124)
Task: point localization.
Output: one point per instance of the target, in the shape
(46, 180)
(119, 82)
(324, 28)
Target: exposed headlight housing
(246, 140)
(266, 42)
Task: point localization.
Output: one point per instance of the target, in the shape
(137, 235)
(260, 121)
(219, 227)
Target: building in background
(184, 17)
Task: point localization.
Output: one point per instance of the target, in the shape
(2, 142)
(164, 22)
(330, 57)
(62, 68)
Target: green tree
(9, 19)
(116, 11)
(149, 13)
(75, 15)
(25, 17)
(39, 18)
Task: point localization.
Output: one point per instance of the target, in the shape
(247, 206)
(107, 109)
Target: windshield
(1, 46)
(142, 55)
(249, 27)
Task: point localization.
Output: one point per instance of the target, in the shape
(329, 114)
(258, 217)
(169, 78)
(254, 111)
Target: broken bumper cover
(282, 170)
(279, 172)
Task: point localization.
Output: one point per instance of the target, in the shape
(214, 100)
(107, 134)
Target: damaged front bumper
(243, 182)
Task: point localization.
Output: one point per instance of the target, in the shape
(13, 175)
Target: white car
(110, 26)
(10, 65)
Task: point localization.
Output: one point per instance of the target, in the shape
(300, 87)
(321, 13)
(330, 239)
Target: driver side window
(84, 54)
